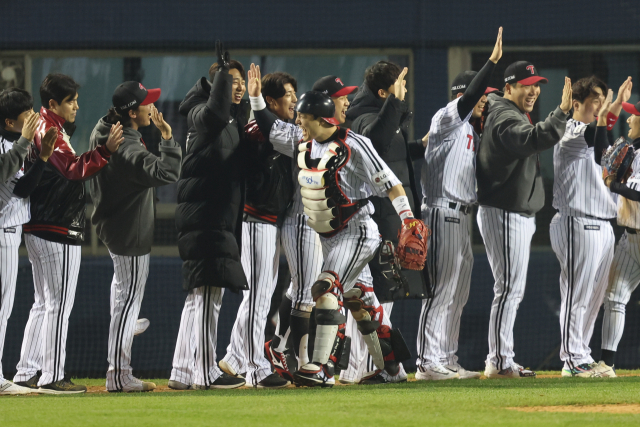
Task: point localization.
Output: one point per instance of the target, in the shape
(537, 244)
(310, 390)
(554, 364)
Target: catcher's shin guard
(327, 292)
(365, 315)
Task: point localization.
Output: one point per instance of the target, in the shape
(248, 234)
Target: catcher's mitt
(616, 161)
(412, 244)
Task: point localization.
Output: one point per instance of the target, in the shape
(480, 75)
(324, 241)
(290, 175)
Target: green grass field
(455, 403)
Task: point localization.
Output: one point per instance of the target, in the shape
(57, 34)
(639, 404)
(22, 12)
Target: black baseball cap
(333, 86)
(523, 72)
(130, 95)
(631, 108)
(462, 81)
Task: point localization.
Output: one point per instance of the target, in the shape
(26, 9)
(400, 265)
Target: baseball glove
(412, 244)
(616, 161)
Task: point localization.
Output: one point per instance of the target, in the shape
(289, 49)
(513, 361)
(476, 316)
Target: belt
(631, 230)
(444, 203)
(599, 219)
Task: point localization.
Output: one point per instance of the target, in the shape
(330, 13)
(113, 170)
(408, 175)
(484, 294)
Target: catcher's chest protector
(326, 205)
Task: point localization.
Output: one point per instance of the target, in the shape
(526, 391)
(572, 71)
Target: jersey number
(471, 146)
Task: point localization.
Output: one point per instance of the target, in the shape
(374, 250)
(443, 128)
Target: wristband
(611, 120)
(257, 103)
(401, 204)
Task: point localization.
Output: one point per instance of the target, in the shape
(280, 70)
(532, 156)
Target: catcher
(338, 171)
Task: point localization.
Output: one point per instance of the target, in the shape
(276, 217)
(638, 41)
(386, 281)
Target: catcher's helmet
(318, 104)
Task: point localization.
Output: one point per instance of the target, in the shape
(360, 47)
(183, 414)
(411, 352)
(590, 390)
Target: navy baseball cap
(463, 80)
(130, 95)
(631, 108)
(523, 72)
(333, 86)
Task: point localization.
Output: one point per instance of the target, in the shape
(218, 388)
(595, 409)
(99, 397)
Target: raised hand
(567, 96)
(48, 143)
(223, 56)
(604, 109)
(30, 125)
(254, 84)
(425, 140)
(497, 49)
(162, 126)
(115, 138)
(624, 93)
(399, 88)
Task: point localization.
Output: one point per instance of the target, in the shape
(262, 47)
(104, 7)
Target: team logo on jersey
(592, 227)
(450, 219)
(339, 81)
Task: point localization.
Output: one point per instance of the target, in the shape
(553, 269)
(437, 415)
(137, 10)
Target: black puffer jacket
(386, 122)
(211, 187)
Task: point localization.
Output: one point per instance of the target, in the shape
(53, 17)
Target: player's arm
(30, 180)
(624, 191)
(624, 93)
(480, 82)
(283, 136)
(12, 160)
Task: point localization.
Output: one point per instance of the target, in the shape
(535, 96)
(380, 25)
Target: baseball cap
(462, 81)
(130, 95)
(631, 108)
(523, 72)
(333, 86)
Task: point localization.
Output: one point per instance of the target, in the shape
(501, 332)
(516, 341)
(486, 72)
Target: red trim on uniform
(43, 227)
(389, 357)
(250, 210)
(612, 119)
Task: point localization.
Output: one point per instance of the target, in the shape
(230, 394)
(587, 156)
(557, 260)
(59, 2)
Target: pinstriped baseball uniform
(624, 276)
(260, 257)
(448, 182)
(582, 239)
(14, 212)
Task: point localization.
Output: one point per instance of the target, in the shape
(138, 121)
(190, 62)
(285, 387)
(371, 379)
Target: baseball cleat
(313, 375)
(513, 371)
(141, 326)
(346, 382)
(8, 388)
(273, 381)
(464, 374)
(177, 385)
(31, 383)
(436, 373)
(227, 369)
(278, 361)
(64, 386)
(135, 386)
(601, 370)
(224, 381)
(585, 370)
(374, 380)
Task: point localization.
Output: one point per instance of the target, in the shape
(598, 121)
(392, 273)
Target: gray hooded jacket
(123, 191)
(507, 164)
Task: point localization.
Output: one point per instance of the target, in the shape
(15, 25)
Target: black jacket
(507, 164)
(386, 123)
(211, 187)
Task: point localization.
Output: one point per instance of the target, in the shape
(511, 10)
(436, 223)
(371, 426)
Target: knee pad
(363, 314)
(327, 292)
(328, 282)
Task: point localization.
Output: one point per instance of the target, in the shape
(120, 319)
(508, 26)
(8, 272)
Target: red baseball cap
(631, 108)
(333, 86)
(523, 72)
(130, 95)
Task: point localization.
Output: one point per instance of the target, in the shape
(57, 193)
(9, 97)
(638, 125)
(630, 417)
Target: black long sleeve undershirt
(624, 191)
(596, 136)
(475, 90)
(29, 181)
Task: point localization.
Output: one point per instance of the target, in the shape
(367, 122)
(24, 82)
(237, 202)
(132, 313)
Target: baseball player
(304, 255)
(510, 192)
(18, 124)
(581, 234)
(339, 170)
(54, 235)
(449, 190)
(260, 253)
(123, 196)
(625, 269)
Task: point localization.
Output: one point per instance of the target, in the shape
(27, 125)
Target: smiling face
(67, 109)
(238, 87)
(284, 106)
(634, 127)
(587, 111)
(479, 108)
(523, 96)
(341, 103)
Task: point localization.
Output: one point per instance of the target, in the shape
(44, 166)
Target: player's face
(477, 110)
(283, 107)
(310, 127)
(342, 103)
(142, 116)
(524, 96)
(238, 87)
(67, 109)
(16, 125)
(634, 127)
(589, 109)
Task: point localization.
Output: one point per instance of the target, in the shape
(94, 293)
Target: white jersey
(364, 175)
(578, 187)
(450, 170)
(13, 210)
(628, 210)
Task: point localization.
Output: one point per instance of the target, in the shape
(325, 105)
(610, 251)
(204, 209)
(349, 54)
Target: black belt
(465, 209)
(599, 219)
(631, 230)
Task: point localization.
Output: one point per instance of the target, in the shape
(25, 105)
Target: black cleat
(31, 382)
(64, 386)
(273, 381)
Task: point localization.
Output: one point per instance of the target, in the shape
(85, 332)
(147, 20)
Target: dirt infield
(623, 408)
